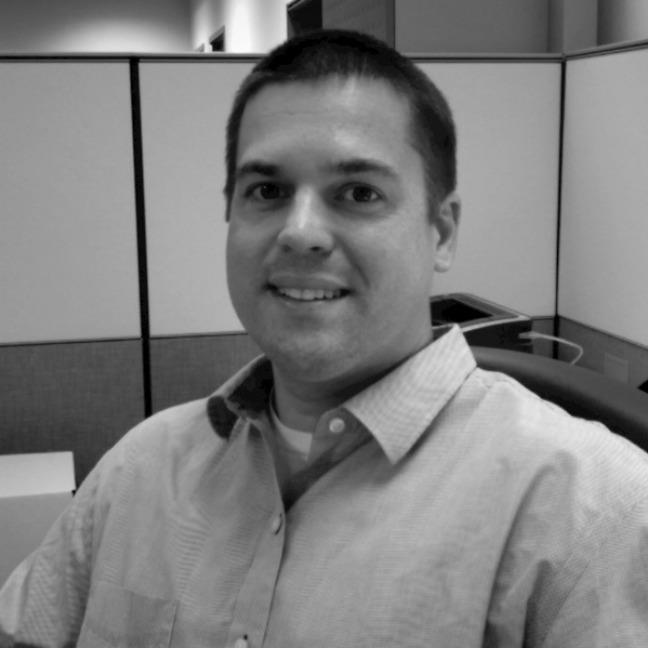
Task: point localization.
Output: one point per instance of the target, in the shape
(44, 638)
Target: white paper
(36, 473)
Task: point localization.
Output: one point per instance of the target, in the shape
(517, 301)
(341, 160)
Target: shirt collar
(244, 394)
(401, 406)
(396, 410)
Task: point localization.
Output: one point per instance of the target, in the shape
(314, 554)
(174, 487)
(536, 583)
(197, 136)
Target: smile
(310, 294)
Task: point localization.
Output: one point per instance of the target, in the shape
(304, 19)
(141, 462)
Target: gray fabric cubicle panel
(508, 123)
(68, 250)
(184, 109)
(70, 396)
(604, 215)
(186, 368)
(68, 258)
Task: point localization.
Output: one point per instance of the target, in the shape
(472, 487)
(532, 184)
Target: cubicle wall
(603, 293)
(70, 360)
(112, 276)
(508, 122)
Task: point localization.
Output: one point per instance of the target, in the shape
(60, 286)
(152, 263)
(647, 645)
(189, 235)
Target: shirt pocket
(116, 618)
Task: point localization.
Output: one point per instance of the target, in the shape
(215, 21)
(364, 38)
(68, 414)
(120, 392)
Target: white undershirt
(293, 446)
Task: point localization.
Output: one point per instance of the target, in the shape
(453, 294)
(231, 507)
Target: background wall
(470, 26)
(438, 26)
(207, 17)
(94, 26)
(375, 17)
(255, 26)
(622, 20)
(250, 25)
(572, 24)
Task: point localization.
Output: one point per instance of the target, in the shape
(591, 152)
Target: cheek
(403, 256)
(243, 250)
(231, 259)
(239, 268)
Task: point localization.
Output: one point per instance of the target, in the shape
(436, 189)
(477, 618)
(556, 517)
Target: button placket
(252, 608)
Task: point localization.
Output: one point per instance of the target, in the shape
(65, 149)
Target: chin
(311, 361)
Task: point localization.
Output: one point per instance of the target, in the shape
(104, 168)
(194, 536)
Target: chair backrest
(582, 392)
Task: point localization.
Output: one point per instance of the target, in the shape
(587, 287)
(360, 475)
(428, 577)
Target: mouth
(308, 294)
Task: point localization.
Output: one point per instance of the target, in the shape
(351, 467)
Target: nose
(305, 229)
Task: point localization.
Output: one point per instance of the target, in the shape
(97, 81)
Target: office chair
(581, 392)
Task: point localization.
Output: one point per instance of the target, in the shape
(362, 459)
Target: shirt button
(276, 524)
(336, 425)
(241, 642)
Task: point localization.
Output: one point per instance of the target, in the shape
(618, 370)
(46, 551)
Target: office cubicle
(112, 271)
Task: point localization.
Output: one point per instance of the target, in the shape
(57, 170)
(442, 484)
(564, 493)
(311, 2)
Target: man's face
(331, 247)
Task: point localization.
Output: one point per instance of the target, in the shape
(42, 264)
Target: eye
(266, 191)
(360, 194)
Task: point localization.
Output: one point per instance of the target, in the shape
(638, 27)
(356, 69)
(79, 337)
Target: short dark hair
(346, 54)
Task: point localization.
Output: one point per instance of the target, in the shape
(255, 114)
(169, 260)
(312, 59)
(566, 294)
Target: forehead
(331, 116)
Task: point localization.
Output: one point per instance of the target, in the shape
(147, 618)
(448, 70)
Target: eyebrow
(364, 165)
(257, 167)
(344, 167)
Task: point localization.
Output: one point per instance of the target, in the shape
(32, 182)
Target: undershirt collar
(296, 441)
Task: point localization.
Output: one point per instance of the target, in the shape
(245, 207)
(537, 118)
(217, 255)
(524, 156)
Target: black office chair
(580, 391)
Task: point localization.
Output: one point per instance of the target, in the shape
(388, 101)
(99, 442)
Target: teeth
(309, 294)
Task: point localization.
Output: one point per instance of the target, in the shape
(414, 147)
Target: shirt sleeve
(608, 604)
(43, 601)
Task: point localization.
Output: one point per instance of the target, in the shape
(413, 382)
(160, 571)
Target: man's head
(335, 230)
(344, 54)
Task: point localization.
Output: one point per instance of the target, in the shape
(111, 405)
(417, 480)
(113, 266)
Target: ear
(447, 225)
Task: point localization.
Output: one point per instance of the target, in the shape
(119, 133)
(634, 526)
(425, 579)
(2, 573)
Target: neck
(302, 397)
(299, 404)
(300, 411)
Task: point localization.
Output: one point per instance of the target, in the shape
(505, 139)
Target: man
(361, 484)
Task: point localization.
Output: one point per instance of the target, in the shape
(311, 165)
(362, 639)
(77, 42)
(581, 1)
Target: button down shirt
(473, 514)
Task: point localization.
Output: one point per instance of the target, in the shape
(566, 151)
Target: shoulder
(172, 428)
(574, 498)
(541, 443)
(497, 395)
(163, 446)
(154, 467)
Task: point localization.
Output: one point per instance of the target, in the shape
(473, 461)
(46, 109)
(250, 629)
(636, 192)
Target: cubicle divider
(70, 330)
(114, 299)
(603, 300)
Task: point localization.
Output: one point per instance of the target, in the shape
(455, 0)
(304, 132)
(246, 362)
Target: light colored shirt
(300, 458)
(472, 513)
